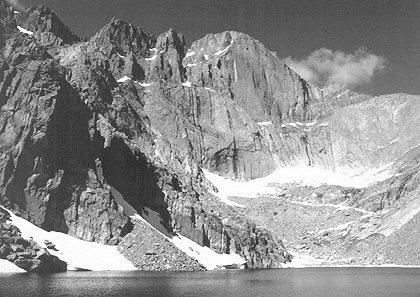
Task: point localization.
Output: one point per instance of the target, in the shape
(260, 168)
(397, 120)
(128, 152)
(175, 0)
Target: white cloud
(325, 67)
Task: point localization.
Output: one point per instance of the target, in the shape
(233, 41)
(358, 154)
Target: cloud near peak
(325, 67)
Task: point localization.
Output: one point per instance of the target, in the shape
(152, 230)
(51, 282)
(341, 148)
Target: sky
(370, 45)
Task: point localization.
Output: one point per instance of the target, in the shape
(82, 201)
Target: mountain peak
(44, 23)
(123, 37)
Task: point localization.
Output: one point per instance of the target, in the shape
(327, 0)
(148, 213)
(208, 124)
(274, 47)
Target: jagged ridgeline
(109, 140)
(96, 132)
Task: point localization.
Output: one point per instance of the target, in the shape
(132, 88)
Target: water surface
(322, 282)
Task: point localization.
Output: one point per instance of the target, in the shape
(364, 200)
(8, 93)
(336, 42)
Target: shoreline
(8, 273)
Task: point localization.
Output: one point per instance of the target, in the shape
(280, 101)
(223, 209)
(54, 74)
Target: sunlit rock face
(94, 133)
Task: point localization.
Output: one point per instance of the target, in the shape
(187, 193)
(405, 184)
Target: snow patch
(9, 267)
(16, 12)
(187, 84)
(264, 123)
(223, 51)
(236, 72)
(76, 252)
(123, 79)
(393, 221)
(189, 54)
(296, 124)
(209, 89)
(204, 255)
(191, 64)
(206, 57)
(302, 261)
(152, 58)
(23, 30)
(340, 227)
(304, 175)
(121, 56)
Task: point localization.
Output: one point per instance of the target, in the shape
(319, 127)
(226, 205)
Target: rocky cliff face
(95, 133)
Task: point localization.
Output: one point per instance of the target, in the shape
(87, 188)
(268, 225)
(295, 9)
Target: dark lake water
(323, 282)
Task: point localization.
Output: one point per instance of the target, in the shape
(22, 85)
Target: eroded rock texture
(95, 132)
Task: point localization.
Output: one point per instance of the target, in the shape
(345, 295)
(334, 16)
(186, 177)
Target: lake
(322, 282)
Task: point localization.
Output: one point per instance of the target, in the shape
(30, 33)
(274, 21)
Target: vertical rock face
(95, 132)
(258, 81)
(49, 165)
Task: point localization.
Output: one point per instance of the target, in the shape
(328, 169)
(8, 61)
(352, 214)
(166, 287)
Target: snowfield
(123, 79)
(264, 123)
(9, 267)
(78, 254)
(304, 175)
(152, 58)
(204, 255)
(189, 54)
(24, 31)
(187, 84)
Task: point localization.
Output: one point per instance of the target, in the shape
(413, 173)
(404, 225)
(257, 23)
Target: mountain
(168, 156)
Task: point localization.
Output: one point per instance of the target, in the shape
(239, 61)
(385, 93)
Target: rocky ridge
(96, 132)
(84, 147)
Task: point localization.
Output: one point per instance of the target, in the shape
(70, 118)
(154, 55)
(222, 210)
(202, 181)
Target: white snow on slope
(191, 64)
(16, 12)
(187, 84)
(305, 261)
(204, 255)
(235, 70)
(189, 54)
(23, 30)
(152, 58)
(399, 218)
(206, 57)
(9, 267)
(223, 51)
(264, 123)
(77, 253)
(121, 56)
(391, 220)
(302, 261)
(123, 79)
(296, 124)
(304, 175)
(209, 89)
(144, 85)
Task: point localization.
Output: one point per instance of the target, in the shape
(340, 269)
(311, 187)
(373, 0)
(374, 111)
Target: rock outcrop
(96, 133)
(25, 254)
